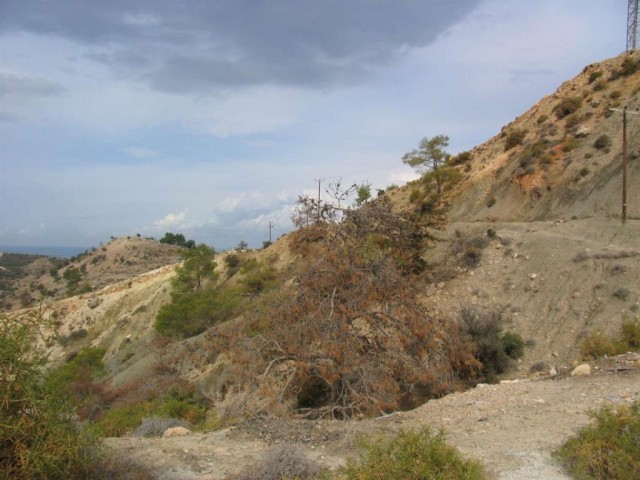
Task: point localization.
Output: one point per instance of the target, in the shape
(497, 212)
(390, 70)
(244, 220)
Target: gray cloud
(27, 86)
(9, 117)
(196, 46)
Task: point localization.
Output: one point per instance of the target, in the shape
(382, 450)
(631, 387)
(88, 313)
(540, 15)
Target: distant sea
(50, 251)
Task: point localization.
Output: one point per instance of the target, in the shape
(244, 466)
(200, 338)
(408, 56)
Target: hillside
(532, 237)
(560, 159)
(27, 279)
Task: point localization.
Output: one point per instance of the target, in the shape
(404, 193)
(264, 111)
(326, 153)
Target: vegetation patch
(412, 455)
(346, 339)
(607, 449)
(597, 344)
(179, 407)
(595, 75)
(514, 138)
(494, 349)
(196, 302)
(567, 106)
(602, 142)
(283, 462)
(37, 437)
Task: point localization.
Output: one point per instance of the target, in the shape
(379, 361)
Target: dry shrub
(155, 426)
(348, 337)
(116, 467)
(282, 462)
(567, 106)
(598, 345)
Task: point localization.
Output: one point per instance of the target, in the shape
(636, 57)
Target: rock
(553, 372)
(581, 370)
(583, 131)
(176, 432)
(93, 302)
(533, 276)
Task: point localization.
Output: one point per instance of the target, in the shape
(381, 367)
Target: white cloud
(403, 176)
(171, 219)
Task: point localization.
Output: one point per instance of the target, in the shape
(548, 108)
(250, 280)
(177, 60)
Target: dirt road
(512, 428)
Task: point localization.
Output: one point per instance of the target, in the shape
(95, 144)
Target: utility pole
(270, 228)
(318, 219)
(624, 158)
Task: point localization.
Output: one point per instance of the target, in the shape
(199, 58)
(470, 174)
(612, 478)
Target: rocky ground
(512, 428)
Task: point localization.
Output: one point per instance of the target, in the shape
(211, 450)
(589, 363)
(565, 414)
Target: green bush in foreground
(413, 456)
(37, 438)
(609, 449)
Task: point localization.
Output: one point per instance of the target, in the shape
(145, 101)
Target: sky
(211, 117)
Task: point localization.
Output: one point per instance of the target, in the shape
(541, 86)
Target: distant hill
(26, 279)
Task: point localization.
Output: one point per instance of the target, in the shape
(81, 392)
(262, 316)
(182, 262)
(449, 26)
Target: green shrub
(514, 138)
(177, 405)
(85, 366)
(602, 142)
(542, 119)
(598, 345)
(608, 448)
(37, 438)
(628, 67)
(630, 333)
(572, 120)
(122, 420)
(599, 85)
(595, 75)
(412, 456)
(459, 159)
(513, 345)
(495, 350)
(192, 313)
(570, 144)
(232, 262)
(567, 106)
(257, 277)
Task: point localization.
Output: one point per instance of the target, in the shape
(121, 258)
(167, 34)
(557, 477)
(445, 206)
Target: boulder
(176, 432)
(581, 370)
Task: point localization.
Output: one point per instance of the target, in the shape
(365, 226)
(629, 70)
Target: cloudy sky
(210, 117)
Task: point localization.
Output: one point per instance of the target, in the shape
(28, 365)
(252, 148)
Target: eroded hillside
(562, 158)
